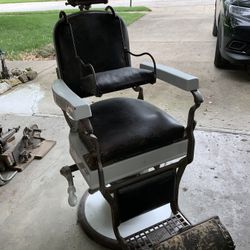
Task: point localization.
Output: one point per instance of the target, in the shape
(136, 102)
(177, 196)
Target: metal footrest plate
(149, 237)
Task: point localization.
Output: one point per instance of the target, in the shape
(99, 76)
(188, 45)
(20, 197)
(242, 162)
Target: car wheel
(248, 69)
(219, 61)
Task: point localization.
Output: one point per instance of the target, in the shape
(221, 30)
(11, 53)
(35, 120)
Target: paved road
(36, 6)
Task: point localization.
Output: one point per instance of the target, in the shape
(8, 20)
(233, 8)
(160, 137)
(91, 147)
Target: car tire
(219, 61)
(248, 69)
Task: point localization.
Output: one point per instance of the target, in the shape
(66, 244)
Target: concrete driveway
(34, 211)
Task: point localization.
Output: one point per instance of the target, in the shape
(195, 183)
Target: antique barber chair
(131, 154)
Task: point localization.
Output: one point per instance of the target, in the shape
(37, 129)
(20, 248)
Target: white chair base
(94, 215)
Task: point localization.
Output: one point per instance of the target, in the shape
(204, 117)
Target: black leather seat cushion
(127, 127)
(122, 78)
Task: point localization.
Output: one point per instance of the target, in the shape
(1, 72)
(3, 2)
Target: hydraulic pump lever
(67, 173)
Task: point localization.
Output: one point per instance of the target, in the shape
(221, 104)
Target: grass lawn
(26, 32)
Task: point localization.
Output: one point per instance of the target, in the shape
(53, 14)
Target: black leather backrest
(100, 38)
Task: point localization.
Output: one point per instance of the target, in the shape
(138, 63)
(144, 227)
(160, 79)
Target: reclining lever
(67, 173)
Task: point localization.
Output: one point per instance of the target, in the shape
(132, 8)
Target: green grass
(130, 17)
(26, 32)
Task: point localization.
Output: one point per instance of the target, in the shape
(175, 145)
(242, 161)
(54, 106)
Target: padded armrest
(76, 107)
(173, 76)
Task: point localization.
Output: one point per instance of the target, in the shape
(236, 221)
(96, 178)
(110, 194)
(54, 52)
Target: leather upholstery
(127, 127)
(122, 78)
(100, 39)
(145, 195)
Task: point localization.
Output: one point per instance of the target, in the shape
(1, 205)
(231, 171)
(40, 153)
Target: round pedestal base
(88, 218)
(94, 216)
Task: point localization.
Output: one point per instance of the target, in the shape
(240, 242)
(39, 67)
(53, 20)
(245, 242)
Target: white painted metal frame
(98, 216)
(125, 168)
(79, 108)
(173, 76)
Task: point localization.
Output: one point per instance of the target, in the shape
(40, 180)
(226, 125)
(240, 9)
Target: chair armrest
(153, 64)
(76, 107)
(188, 83)
(173, 76)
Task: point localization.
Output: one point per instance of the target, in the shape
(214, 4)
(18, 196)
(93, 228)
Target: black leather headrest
(99, 37)
(84, 2)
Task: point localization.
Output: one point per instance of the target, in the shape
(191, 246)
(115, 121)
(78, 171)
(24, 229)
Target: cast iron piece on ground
(16, 156)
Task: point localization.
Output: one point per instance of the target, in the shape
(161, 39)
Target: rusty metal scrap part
(31, 139)
(7, 137)
(6, 176)
(15, 157)
(12, 155)
(6, 146)
(5, 72)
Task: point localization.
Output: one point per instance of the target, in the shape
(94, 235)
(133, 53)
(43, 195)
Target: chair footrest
(151, 236)
(177, 233)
